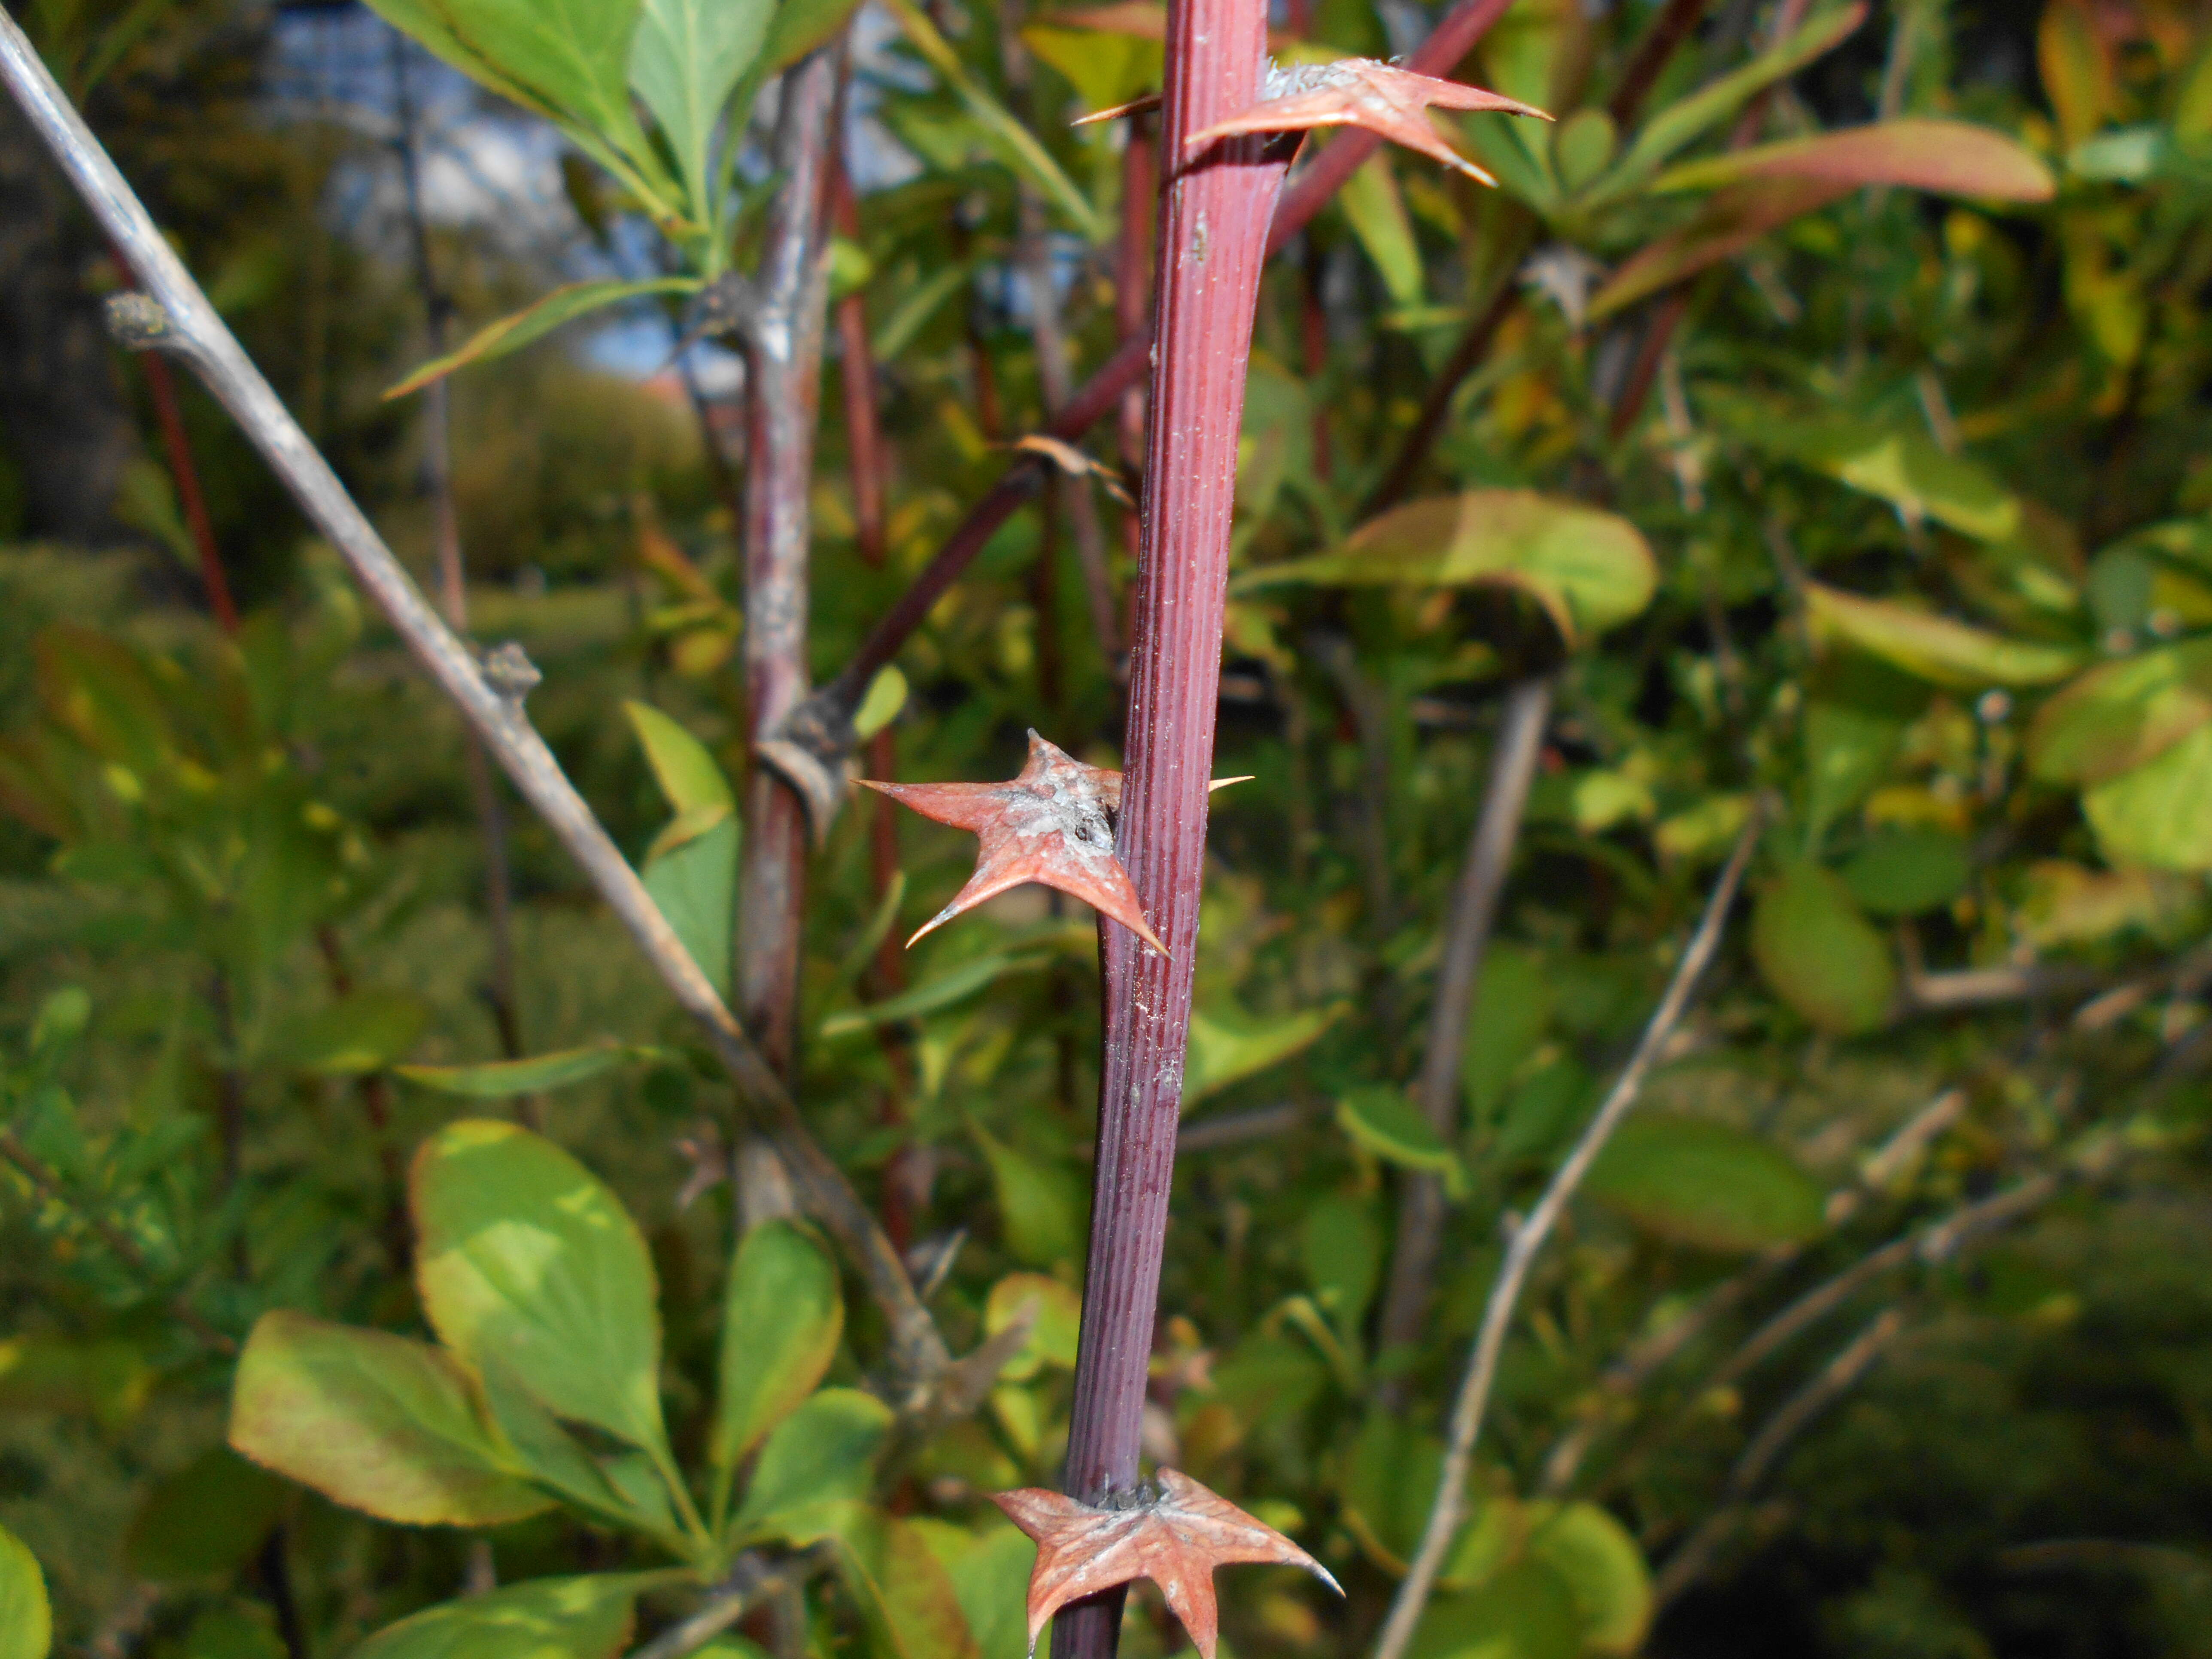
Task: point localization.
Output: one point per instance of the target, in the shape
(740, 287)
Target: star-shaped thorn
(1052, 823)
(1175, 1536)
(1359, 92)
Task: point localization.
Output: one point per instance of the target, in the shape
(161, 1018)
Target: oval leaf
(1952, 158)
(2123, 715)
(685, 60)
(1603, 1568)
(373, 1421)
(1039, 1205)
(1820, 955)
(586, 1617)
(534, 322)
(1896, 463)
(781, 1319)
(27, 1625)
(684, 766)
(1692, 1181)
(525, 1255)
(2160, 814)
(695, 885)
(1936, 649)
(1388, 1125)
(824, 1452)
(1903, 870)
(1589, 570)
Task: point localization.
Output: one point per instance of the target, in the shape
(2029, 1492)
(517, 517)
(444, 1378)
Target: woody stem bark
(1212, 244)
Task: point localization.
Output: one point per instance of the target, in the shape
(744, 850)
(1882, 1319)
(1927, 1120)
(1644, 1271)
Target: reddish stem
(1660, 43)
(864, 431)
(1213, 244)
(161, 386)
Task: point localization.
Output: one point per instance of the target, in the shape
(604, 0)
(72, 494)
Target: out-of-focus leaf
(2159, 814)
(1388, 1125)
(371, 1421)
(1900, 465)
(1820, 955)
(586, 1617)
(1388, 1482)
(204, 1520)
(685, 59)
(1696, 1181)
(106, 1379)
(942, 992)
(1936, 649)
(1725, 224)
(1019, 142)
(1687, 119)
(824, 1452)
(695, 886)
(1040, 1206)
(886, 696)
(781, 1319)
(990, 1579)
(233, 1628)
(534, 322)
(363, 1031)
(525, 1256)
(2068, 903)
(1602, 1568)
(1951, 158)
(1107, 70)
(1902, 871)
(2121, 715)
(887, 1566)
(501, 1080)
(1377, 216)
(686, 771)
(2077, 69)
(801, 27)
(1513, 1000)
(1341, 1243)
(1590, 570)
(1057, 1318)
(1223, 1052)
(27, 1625)
(1524, 1611)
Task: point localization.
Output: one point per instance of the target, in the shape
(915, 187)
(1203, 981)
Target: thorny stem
(782, 340)
(1213, 244)
(488, 695)
(1529, 1239)
(1467, 938)
(1447, 43)
(453, 577)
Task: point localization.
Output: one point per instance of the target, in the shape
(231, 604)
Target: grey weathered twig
(1445, 1514)
(748, 1585)
(1467, 938)
(174, 315)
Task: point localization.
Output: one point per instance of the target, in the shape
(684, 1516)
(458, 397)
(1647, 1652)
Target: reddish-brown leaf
(1175, 1536)
(1951, 158)
(1052, 823)
(1729, 222)
(1359, 92)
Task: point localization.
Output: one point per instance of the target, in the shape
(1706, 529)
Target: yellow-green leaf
(534, 322)
(1820, 955)
(1936, 649)
(27, 1625)
(1696, 1181)
(1388, 1125)
(781, 1318)
(585, 1618)
(2159, 814)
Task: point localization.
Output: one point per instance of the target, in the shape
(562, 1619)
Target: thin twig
(747, 1586)
(1445, 1513)
(1467, 938)
(488, 694)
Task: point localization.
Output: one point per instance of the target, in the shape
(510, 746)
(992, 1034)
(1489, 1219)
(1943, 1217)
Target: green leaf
(373, 1421)
(231, 1628)
(824, 1452)
(556, 1459)
(1378, 214)
(1019, 144)
(886, 696)
(27, 1625)
(1056, 1312)
(525, 1256)
(1040, 1206)
(1513, 1002)
(106, 1379)
(1582, 145)
(204, 1520)
(2123, 714)
(801, 27)
(1950, 158)
(1692, 1181)
(2160, 814)
(782, 1315)
(500, 1080)
(534, 322)
(363, 1031)
(695, 885)
(888, 1568)
(1898, 464)
(1904, 870)
(1602, 1568)
(686, 771)
(1687, 120)
(1223, 1052)
(685, 60)
(585, 1618)
(1340, 1243)
(1106, 68)
(1590, 570)
(1936, 649)
(1523, 1611)
(990, 1581)
(963, 983)
(1820, 955)
(1388, 1125)
(1390, 1478)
